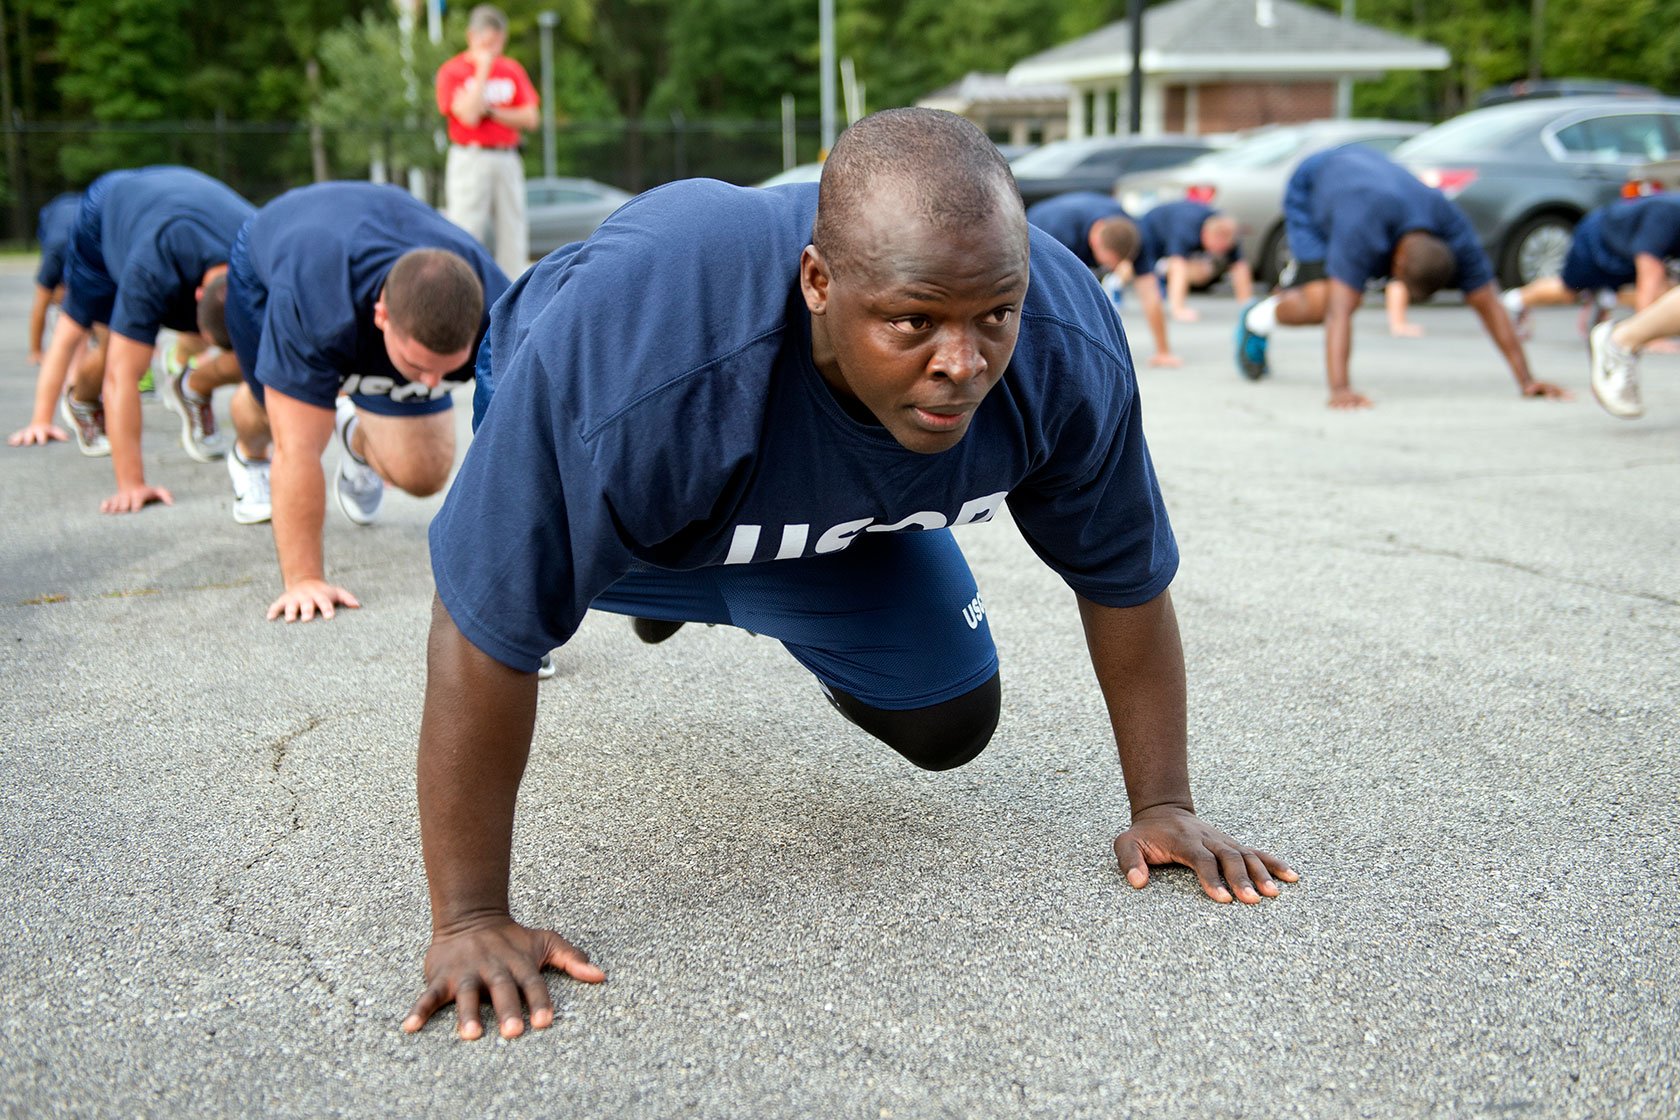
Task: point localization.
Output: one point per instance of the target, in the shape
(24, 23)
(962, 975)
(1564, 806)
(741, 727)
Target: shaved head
(929, 165)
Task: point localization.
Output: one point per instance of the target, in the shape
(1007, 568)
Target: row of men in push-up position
(776, 428)
(340, 311)
(1353, 216)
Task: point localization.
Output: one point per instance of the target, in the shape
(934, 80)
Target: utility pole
(547, 21)
(1344, 84)
(825, 31)
(1134, 80)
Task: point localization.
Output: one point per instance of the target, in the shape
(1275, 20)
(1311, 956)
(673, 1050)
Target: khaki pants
(485, 189)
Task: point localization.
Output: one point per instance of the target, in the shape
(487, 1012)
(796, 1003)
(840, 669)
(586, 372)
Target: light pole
(825, 32)
(547, 21)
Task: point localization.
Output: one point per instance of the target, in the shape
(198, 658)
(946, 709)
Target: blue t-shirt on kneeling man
(1348, 207)
(654, 403)
(143, 241)
(1069, 217)
(309, 268)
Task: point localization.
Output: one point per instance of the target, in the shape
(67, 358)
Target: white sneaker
(1518, 311)
(1615, 374)
(251, 502)
(359, 488)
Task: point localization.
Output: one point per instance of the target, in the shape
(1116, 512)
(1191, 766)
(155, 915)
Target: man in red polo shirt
(488, 100)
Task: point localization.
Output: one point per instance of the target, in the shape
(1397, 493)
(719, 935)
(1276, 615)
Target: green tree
(378, 101)
(735, 58)
(1630, 40)
(112, 51)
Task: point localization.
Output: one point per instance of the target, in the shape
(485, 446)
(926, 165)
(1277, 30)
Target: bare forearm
(1650, 281)
(1396, 300)
(38, 318)
(522, 117)
(125, 363)
(1139, 663)
(1338, 349)
(122, 428)
(1178, 283)
(1242, 281)
(475, 737)
(467, 106)
(1497, 322)
(1149, 294)
(67, 341)
(299, 498)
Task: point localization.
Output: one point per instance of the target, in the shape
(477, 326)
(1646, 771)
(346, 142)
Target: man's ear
(380, 319)
(814, 279)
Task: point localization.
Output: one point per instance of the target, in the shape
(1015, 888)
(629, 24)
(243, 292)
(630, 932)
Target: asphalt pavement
(1432, 652)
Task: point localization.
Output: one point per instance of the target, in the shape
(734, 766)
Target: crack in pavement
(50, 597)
(1501, 562)
(1392, 545)
(278, 752)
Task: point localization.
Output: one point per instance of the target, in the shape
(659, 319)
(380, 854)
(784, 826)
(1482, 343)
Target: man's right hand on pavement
(42, 434)
(504, 960)
(300, 603)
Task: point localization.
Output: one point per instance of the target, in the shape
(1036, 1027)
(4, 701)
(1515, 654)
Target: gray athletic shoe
(1615, 374)
(546, 669)
(198, 420)
(359, 488)
(251, 502)
(87, 421)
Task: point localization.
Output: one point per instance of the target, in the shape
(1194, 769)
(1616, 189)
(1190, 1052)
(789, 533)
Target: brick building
(1221, 65)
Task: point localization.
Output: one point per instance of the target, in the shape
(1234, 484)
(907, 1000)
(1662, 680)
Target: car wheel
(1535, 249)
(1274, 256)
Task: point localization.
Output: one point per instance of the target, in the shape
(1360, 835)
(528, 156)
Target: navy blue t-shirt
(1174, 229)
(314, 263)
(142, 243)
(1069, 217)
(52, 233)
(1348, 207)
(655, 404)
(1633, 226)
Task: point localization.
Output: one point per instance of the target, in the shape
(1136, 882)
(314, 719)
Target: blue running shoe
(1251, 347)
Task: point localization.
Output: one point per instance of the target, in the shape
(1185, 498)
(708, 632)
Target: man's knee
(414, 454)
(941, 737)
(422, 479)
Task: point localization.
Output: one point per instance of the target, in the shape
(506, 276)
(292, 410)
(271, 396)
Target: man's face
(413, 360)
(918, 323)
(1218, 236)
(487, 41)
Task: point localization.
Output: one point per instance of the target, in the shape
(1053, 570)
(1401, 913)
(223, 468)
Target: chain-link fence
(260, 160)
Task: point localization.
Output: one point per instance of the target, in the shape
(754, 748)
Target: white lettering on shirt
(378, 385)
(744, 542)
(499, 91)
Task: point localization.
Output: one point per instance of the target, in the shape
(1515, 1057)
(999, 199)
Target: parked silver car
(1246, 180)
(560, 211)
(1525, 173)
